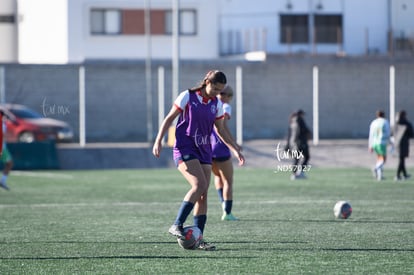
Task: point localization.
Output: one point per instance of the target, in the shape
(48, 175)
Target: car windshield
(25, 113)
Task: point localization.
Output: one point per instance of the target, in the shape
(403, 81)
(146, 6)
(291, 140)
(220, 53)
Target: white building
(74, 31)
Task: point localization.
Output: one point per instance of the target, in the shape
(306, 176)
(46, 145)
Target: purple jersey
(195, 125)
(220, 150)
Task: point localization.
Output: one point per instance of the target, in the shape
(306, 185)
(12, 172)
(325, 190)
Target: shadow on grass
(120, 257)
(319, 249)
(148, 242)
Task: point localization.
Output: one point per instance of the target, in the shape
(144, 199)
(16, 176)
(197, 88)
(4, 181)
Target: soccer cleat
(4, 185)
(301, 176)
(206, 246)
(374, 173)
(177, 231)
(398, 178)
(228, 217)
(379, 175)
(298, 176)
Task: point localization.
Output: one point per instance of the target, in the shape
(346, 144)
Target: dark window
(7, 19)
(294, 28)
(328, 28)
(105, 21)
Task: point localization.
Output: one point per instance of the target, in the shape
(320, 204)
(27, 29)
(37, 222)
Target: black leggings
(401, 167)
(304, 158)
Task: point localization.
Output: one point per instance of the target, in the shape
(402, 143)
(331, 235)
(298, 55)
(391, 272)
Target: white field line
(82, 205)
(128, 204)
(48, 175)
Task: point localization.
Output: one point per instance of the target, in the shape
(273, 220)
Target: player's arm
(168, 120)
(223, 135)
(228, 132)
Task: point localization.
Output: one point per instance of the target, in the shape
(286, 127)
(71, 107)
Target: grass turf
(116, 221)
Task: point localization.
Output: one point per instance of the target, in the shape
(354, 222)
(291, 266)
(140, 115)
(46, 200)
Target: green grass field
(116, 221)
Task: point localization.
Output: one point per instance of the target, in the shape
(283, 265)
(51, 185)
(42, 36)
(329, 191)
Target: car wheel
(27, 137)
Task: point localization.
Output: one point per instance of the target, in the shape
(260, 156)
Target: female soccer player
(379, 136)
(198, 110)
(222, 163)
(402, 132)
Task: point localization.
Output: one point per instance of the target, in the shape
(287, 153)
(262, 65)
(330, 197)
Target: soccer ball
(192, 239)
(342, 210)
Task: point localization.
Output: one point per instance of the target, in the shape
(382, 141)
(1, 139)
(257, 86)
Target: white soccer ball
(192, 239)
(342, 210)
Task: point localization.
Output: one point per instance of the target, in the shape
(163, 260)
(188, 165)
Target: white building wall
(402, 13)
(8, 33)
(364, 29)
(43, 31)
(365, 23)
(57, 31)
(83, 45)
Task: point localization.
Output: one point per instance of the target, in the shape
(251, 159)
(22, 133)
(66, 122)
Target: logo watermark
(54, 109)
(286, 154)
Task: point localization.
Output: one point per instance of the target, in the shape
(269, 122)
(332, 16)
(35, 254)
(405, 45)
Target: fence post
(2, 85)
(82, 108)
(315, 73)
(392, 95)
(239, 105)
(161, 95)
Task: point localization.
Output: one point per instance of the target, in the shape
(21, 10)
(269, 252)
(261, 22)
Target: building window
(7, 19)
(188, 22)
(132, 22)
(105, 21)
(294, 29)
(328, 28)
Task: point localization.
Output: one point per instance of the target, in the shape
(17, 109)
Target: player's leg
(194, 173)
(381, 151)
(400, 168)
(225, 170)
(379, 166)
(295, 164)
(8, 165)
(218, 184)
(304, 162)
(200, 208)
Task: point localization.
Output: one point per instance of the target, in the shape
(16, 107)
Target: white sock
(379, 174)
(379, 165)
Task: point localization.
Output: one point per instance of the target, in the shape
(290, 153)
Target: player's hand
(240, 157)
(156, 149)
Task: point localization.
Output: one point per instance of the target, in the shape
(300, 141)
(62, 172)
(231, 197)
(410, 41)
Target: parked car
(26, 125)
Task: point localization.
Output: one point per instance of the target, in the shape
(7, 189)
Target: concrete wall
(351, 90)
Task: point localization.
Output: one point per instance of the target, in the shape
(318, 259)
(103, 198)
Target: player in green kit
(379, 136)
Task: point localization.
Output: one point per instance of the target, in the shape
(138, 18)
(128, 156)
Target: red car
(26, 125)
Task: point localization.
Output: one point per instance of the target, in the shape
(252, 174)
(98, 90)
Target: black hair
(401, 116)
(380, 113)
(212, 76)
